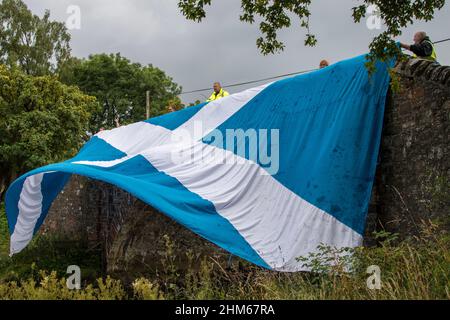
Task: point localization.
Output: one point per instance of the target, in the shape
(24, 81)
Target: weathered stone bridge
(412, 185)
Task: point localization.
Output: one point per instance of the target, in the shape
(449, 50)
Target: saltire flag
(267, 174)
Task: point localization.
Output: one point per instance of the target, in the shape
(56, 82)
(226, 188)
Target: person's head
(419, 36)
(217, 87)
(323, 64)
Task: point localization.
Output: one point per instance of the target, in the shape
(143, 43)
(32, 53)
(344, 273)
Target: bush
(4, 233)
(413, 269)
(50, 287)
(46, 253)
(144, 289)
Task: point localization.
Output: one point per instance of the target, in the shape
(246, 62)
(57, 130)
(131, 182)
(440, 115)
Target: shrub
(412, 269)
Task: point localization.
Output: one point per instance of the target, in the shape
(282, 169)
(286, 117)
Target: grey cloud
(221, 48)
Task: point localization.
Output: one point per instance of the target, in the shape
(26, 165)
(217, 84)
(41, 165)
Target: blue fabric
(98, 150)
(163, 192)
(173, 120)
(53, 183)
(330, 124)
(12, 199)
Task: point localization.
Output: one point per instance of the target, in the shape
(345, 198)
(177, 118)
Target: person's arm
(405, 46)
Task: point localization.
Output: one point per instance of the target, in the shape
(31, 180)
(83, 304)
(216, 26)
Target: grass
(4, 233)
(416, 268)
(46, 253)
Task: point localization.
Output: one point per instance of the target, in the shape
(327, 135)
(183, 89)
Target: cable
(440, 41)
(271, 78)
(253, 81)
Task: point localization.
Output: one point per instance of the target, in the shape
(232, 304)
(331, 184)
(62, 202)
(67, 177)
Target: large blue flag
(267, 174)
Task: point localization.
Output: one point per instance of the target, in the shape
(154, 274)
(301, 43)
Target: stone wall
(135, 238)
(412, 185)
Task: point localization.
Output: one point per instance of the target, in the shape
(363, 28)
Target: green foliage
(409, 270)
(120, 86)
(196, 103)
(395, 81)
(49, 286)
(174, 104)
(4, 232)
(50, 253)
(169, 273)
(46, 253)
(435, 187)
(276, 15)
(41, 121)
(417, 269)
(144, 289)
(36, 45)
(396, 16)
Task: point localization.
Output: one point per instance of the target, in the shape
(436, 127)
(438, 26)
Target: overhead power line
(253, 81)
(272, 78)
(441, 41)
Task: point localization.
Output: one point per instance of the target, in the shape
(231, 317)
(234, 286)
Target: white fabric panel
(141, 136)
(135, 138)
(105, 164)
(276, 222)
(132, 140)
(30, 208)
(217, 112)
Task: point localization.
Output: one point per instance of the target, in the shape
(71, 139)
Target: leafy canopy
(276, 15)
(36, 45)
(41, 121)
(120, 87)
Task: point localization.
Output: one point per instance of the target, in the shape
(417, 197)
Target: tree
(120, 86)
(174, 105)
(196, 103)
(41, 121)
(37, 45)
(275, 15)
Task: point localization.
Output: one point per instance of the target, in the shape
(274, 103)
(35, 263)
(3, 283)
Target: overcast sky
(221, 48)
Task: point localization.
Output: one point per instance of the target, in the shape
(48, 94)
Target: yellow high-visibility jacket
(217, 96)
(432, 56)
